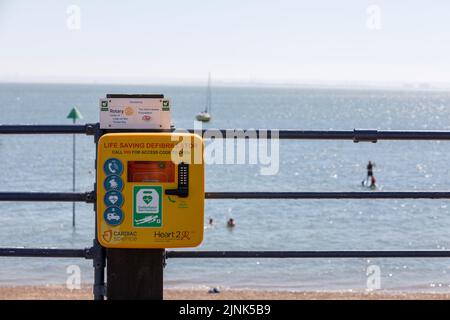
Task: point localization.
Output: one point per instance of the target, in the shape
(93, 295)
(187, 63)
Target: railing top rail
(88, 129)
(356, 135)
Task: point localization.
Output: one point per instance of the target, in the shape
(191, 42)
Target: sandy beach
(85, 293)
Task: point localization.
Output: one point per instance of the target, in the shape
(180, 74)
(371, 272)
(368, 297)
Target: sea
(44, 163)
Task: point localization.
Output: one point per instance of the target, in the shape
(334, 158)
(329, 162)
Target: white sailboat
(205, 115)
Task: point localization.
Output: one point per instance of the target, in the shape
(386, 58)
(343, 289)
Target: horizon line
(338, 84)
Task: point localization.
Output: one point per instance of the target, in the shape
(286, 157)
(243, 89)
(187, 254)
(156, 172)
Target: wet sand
(85, 293)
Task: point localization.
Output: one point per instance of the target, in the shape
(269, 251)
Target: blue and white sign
(113, 198)
(113, 182)
(113, 216)
(113, 166)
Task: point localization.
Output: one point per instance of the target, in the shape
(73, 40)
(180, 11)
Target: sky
(244, 41)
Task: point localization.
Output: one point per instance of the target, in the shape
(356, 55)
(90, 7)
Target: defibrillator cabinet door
(150, 190)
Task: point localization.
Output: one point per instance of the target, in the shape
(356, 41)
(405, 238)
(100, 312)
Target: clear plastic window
(151, 171)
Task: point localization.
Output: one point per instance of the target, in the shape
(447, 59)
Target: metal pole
(73, 176)
(99, 263)
(74, 114)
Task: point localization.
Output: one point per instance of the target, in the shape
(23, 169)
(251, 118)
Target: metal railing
(96, 252)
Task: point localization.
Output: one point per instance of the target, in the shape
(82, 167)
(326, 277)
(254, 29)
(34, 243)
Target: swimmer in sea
(231, 223)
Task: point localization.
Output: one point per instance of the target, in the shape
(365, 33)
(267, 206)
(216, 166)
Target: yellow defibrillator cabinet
(150, 190)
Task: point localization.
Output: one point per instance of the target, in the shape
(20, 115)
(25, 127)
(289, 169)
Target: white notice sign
(135, 113)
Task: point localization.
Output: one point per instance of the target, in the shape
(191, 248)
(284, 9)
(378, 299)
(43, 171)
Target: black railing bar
(88, 197)
(88, 129)
(309, 254)
(87, 253)
(331, 195)
(355, 135)
(46, 252)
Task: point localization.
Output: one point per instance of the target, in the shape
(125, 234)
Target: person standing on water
(370, 166)
(370, 176)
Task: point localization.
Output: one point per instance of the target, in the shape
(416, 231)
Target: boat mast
(208, 94)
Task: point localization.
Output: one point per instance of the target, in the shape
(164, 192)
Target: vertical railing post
(99, 258)
(99, 271)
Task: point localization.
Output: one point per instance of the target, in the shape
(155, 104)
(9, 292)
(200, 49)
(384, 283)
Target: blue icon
(113, 183)
(113, 166)
(113, 216)
(113, 198)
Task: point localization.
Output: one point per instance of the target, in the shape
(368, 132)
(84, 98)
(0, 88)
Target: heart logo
(113, 199)
(147, 199)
